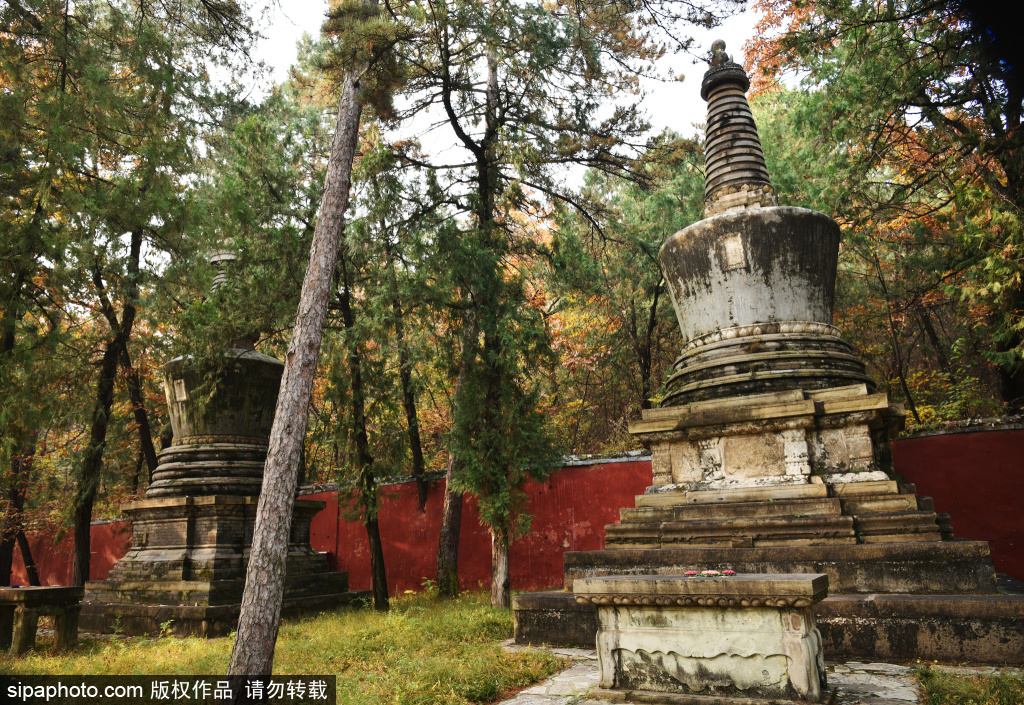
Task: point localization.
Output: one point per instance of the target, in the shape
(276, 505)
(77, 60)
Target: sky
(674, 104)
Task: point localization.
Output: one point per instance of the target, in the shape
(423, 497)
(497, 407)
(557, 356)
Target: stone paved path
(857, 683)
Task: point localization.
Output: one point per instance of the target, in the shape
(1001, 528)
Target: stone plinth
(206, 538)
(837, 435)
(743, 636)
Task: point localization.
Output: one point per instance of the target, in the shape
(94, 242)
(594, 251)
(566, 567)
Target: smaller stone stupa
(192, 534)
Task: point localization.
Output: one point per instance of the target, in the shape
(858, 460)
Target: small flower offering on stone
(728, 572)
(710, 573)
(691, 572)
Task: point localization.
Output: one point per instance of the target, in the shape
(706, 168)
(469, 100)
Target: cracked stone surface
(873, 683)
(857, 683)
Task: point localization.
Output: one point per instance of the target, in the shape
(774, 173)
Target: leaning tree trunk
(253, 652)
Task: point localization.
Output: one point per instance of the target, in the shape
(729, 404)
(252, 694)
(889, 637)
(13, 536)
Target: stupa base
(979, 629)
(785, 438)
(186, 568)
(201, 620)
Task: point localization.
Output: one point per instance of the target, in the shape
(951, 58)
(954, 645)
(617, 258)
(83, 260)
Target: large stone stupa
(770, 452)
(192, 534)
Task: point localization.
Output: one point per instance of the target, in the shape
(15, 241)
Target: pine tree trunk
(134, 383)
(363, 459)
(451, 515)
(448, 545)
(412, 421)
(92, 465)
(26, 557)
(501, 579)
(933, 338)
(6, 554)
(22, 473)
(253, 652)
(409, 402)
(11, 528)
(92, 458)
(378, 574)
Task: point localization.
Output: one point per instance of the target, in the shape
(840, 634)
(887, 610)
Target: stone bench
(20, 609)
(697, 639)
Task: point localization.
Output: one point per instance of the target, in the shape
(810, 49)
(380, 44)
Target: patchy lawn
(944, 688)
(425, 651)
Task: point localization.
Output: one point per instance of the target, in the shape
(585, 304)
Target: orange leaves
(766, 56)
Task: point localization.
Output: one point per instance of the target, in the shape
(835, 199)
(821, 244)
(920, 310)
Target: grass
(944, 688)
(423, 652)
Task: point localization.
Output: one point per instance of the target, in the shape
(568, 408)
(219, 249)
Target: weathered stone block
(836, 436)
(743, 635)
(20, 609)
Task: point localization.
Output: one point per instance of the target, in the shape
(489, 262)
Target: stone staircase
(796, 515)
(901, 586)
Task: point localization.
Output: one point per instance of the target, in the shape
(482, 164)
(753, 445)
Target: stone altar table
(679, 638)
(20, 609)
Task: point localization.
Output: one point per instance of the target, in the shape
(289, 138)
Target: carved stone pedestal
(742, 636)
(795, 437)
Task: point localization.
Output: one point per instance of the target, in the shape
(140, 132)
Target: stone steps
(935, 568)
(738, 510)
(879, 504)
(734, 532)
(787, 515)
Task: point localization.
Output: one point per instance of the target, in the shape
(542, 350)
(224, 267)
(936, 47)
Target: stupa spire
(736, 176)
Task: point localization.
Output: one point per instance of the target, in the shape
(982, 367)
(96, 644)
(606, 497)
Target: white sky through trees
(673, 104)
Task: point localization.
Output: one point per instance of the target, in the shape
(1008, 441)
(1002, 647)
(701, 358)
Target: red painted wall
(569, 512)
(978, 479)
(108, 542)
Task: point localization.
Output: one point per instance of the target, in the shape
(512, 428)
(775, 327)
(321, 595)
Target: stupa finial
(736, 176)
(718, 55)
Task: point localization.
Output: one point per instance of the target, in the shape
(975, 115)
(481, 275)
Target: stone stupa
(770, 452)
(192, 534)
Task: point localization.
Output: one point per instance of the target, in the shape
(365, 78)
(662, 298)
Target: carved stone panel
(752, 457)
(687, 463)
